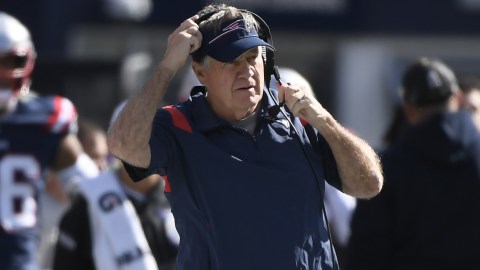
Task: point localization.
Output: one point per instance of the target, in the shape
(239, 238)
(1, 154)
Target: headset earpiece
(265, 34)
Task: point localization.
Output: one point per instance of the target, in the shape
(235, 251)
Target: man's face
(234, 89)
(95, 145)
(471, 102)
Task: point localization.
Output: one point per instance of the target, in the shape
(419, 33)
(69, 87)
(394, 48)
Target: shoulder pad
(63, 116)
(55, 113)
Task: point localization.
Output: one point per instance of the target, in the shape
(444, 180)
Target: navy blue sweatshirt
(428, 214)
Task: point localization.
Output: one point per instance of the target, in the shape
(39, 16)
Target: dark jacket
(428, 214)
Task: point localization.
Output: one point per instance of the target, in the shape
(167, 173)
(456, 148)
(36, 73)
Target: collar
(205, 119)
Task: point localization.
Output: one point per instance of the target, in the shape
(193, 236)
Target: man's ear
(199, 71)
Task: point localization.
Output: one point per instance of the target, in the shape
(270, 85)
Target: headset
(263, 32)
(271, 69)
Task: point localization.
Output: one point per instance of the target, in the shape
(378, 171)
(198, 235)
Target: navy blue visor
(230, 42)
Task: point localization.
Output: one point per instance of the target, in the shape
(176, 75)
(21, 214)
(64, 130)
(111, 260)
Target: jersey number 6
(18, 205)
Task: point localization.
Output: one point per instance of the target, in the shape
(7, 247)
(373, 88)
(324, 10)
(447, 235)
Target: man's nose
(246, 69)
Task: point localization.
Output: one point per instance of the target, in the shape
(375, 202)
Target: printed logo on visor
(230, 41)
(236, 25)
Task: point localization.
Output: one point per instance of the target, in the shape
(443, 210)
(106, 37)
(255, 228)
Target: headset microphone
(275, 109)
(272, 112)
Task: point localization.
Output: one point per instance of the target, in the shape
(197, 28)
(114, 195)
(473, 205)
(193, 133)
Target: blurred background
(96, 52)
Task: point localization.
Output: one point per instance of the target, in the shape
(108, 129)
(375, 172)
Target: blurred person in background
(427, 215)
(55, 201)
(36, 133)
(115, 223)
(396, 127)
(471, 97)
(94, 142)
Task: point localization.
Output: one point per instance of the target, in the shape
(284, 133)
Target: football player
(36, 133)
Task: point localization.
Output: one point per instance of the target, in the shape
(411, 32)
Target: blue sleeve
(329, 164)
(135, 173)
(328, 160)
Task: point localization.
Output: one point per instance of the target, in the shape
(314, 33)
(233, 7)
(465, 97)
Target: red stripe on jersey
(167, 183)
(57, 107)
(178, 119)
(63, 115)
(304, 123)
